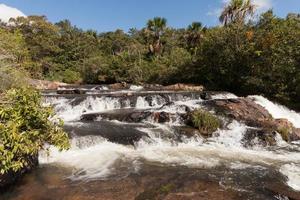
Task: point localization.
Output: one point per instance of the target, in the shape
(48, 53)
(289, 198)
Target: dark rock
(262, 136)
(205, 96)
(71, 91)
(186, 131)
(161, 117)
(124, 115)
(126, 134)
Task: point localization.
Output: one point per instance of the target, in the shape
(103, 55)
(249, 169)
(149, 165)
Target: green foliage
(14, 58)
(285, 133)
(206, 122)
(25, 127)
(259, 56)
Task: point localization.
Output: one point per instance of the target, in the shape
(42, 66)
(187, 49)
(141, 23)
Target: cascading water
(93, 157)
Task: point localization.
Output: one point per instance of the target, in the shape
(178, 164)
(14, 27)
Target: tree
(41, 37)
(237, 11)
(194, 33)
(14, 59)
(156, 28)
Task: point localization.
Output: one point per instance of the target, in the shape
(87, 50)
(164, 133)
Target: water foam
(100, 159)
(136, 87)
(66, 111)
(292, 172)
(278, 111)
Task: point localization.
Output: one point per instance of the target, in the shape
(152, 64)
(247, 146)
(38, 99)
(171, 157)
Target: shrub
(25, 128)
(70, 76)
(285, 133)
(206, 122)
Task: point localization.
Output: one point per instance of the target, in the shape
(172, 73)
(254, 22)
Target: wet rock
(130, 115)
(241, 109)
(247, 111)
(185, 87)
(71, 91)
(10, 177)
(123, 115)
(126, 134)
(205, 96)
(186, 131)
(161, 117)
(262, 137)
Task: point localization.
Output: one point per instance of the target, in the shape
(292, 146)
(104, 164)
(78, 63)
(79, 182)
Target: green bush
(25, 128)
(206, 122)
(70, 76)
(285, 133)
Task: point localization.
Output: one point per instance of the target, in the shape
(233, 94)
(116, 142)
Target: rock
(46, 85)
(118, 86)
(259, 136)
(247, 111)
(71, 91)
(161, 117)
(124, 115)
(10, 177)
(130, 115)
(241, 109)
(184, 87)
(186, 131)
(125, 134)
(153, 87)
(205, 96)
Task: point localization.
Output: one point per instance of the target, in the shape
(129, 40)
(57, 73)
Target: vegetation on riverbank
(243, 56)
(25, 127)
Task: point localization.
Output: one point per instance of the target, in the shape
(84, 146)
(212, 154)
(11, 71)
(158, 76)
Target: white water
(278, 111)
(96, 158)
(136, 87)
(224, 95)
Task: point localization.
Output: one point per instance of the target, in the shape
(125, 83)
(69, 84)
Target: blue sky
(107, 15)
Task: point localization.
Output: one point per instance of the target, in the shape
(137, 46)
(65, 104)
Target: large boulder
(254, 115)
(130, 115)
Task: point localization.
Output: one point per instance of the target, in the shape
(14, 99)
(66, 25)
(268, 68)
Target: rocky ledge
(247, 111)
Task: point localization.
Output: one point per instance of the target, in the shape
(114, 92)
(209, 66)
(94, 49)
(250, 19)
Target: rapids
(93, 158)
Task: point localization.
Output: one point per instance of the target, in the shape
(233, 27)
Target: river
(113, 159)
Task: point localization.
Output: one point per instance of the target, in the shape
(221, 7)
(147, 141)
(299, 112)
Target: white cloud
(263, 5)
(7, 12)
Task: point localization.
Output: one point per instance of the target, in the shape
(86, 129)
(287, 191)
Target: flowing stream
(160, 164)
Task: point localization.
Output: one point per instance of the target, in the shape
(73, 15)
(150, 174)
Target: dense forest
(256, 56)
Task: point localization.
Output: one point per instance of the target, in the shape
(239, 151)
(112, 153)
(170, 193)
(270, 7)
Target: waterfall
(93, 157)
(278, 111)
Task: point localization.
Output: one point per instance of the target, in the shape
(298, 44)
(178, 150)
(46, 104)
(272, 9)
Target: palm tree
(156, 28)
(195, 27)
(237, 11)
(194, 34)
